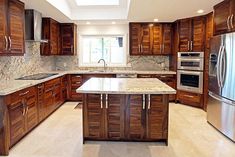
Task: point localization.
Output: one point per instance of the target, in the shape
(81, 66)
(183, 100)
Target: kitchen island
(125, 109)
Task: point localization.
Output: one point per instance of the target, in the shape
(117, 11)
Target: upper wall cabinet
(150, 39)
(51, 32)
(68, 38)
(192, 34)
(224, 13)
(11, 27)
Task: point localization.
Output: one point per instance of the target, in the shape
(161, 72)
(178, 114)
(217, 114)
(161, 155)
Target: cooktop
(38, 76)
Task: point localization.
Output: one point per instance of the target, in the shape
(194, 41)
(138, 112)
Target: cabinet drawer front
(76, 78)
(145, 76)
(190, 97)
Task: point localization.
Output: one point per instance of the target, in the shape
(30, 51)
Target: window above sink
(111, 48)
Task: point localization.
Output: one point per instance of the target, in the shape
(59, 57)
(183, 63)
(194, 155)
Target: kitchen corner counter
(125, 86)
(8, 87)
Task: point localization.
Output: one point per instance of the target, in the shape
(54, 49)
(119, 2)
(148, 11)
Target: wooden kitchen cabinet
(192, 34)
(12, 27)
(68, 38)
(125, 117)
(115, 116)
(157, 117)
(136, 126)
(150, 39)
(94, 116)
(23, 113)
(50, 32)
(188, 98)
(224, 13)
(74, 82)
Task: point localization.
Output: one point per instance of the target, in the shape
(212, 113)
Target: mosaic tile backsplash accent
(157, 63)
(31, 63)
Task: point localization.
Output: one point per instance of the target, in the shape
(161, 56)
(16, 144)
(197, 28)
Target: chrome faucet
(104, 63)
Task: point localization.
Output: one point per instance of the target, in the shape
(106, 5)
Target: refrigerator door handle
(221, 80)
(221, 99)
(218, 67)
(223, 65)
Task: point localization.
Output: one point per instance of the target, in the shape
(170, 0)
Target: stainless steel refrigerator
(221, 105)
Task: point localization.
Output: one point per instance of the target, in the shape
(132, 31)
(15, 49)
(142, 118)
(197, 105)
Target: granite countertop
(125, 86)
(8, 87)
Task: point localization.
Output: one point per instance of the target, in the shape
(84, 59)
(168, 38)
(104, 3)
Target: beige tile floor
(61, 136)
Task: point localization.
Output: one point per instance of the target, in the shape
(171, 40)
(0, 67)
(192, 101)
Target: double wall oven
(190, 71)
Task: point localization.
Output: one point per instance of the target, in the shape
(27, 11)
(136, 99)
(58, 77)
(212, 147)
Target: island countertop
(125, 86)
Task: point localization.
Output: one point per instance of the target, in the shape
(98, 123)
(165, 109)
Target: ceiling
(126, 11)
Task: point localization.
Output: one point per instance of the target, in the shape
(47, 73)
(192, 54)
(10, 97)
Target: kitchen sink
(39, 76)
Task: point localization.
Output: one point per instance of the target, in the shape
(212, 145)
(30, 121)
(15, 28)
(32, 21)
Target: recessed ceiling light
(88, 23)
(200, 11)
(155, 20)
(113, 22)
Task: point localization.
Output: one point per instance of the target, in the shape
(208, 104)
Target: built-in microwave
(191, 61)
(191, 81)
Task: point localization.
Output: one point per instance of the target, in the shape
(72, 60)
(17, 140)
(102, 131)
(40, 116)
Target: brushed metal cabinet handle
(191, 45)
(22, 94)
(231, 21)
(101, 101)
(149, 101)
(228, 23)
(10, 43)
(6, 43)
(143, 102)
(188, 45)
(139, 48)
(106, 101)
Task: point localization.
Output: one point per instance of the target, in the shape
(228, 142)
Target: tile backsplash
(32, 62)
(134, 63)
(16, 66)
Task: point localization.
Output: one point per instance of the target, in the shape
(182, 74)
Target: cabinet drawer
(192, 99)
(76, 78)
(145, 76)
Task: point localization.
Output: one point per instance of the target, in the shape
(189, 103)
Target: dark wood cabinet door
(75, 81)
(198, 38)
(156, 45)
(115, 110)
(167, 39)
(136, 118)
(31, 114)
(3, 27)
(16, 27)
(58, 99)
(157, 117)
(41, 105)
(17, 120)
(135, 39)
(185, 35)
(68, 39)
(94, 122)
(146, 39)
(221, 15)
(54, 37)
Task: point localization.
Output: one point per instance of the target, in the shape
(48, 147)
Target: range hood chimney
(33, 26)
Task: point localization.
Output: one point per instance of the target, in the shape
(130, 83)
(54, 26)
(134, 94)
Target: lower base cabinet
(125, 117)
(188, 98)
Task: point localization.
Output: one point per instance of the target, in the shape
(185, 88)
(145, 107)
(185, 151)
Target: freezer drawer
(221, 114)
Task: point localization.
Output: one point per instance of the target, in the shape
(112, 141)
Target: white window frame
(80, 56)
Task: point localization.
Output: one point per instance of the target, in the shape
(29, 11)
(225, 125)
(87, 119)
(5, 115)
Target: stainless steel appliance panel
(227, 67)
(191, 81)
(221, 114)
(214, 65)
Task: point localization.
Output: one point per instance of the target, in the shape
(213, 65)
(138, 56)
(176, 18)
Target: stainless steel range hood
(33, 26)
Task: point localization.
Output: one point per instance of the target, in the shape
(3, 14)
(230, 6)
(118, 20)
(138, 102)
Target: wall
(134, 63)
(12, 67)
